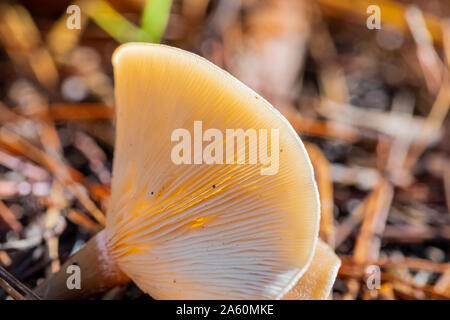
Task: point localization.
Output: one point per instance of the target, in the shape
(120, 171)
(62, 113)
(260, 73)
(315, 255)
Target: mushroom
(201, 229)
(317, 282)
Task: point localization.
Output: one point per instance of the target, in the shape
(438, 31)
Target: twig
(415, 233)
(391, 124)
(13, 141)
(403, 104)
(365, 178)
(320, 128)
(432, 66)
(394, 14)
(27, 169)
(82, 220)
(346, 227)
(447, 184)
(325, 185)
(332, 80)
(359, 273)
(438, 79)
(10, 290)
(408, 262)
(5, 259)
(13, 283)
(85, 111)
(21, 244)
(443, 284)
(9, 218)
(367, 244)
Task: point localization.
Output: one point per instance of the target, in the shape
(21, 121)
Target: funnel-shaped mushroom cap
(205, 231)
(317, 282)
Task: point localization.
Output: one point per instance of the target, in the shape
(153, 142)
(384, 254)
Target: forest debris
(349, 224)
(389, 123)
(10, 290)
(52, 219)
(21, 244)
(332, 80)
(94, 154)
(432, 124)
(27, 169)
(394, 14)
(415, 233)
(13, 286)
(443, 284)
(403, 104)
(322, 171)
(62, 40)
(7, 216)
(367, 246)
(430, 63)
(314, 127)
(446, 177)
(84, 111)
(8, 188)
(271, 55)
(5, 259)
(362, 177)
(78, 217)
(21, 39)
(404, 285)
(407, 262)
(13, 141)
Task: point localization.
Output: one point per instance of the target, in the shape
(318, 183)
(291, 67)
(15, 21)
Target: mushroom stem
(97, 272)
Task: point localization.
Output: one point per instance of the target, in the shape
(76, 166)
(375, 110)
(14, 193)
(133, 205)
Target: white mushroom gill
(203, 231)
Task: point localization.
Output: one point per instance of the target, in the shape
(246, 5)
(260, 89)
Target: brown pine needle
(13, 141)
(367, 247)
(322, 170)
(81, 219)
(346, 227)
(447, 184)
(393, 13)
(7, 216)
(13, 286)
(320, 128)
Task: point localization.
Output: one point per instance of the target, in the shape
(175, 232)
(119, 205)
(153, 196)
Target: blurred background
(370, 103)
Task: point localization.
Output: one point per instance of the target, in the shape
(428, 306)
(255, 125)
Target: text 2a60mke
(238, 309)
(258, 309)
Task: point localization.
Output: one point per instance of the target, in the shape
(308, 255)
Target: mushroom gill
(204, 231)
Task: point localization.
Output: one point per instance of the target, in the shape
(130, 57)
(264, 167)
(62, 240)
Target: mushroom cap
(204, 231)
(318, 280)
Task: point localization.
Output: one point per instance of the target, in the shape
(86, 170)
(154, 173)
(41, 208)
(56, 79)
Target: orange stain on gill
(195, 197)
